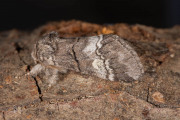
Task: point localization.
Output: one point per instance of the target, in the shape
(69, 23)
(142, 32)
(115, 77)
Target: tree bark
(156, 95)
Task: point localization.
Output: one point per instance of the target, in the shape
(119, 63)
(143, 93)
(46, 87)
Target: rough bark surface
(155, 96)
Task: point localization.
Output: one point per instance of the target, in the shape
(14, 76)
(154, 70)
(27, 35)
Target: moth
(105, 56)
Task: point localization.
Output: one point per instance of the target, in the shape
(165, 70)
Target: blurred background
(29, 14)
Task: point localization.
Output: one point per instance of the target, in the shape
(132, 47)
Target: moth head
(45, 48)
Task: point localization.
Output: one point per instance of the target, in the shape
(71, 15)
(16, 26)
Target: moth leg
(53, 77)
(36, 70)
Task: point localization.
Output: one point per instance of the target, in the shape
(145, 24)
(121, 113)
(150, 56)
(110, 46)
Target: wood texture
(154, 96)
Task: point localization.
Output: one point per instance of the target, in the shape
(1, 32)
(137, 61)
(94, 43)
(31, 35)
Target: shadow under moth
(105, 56)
